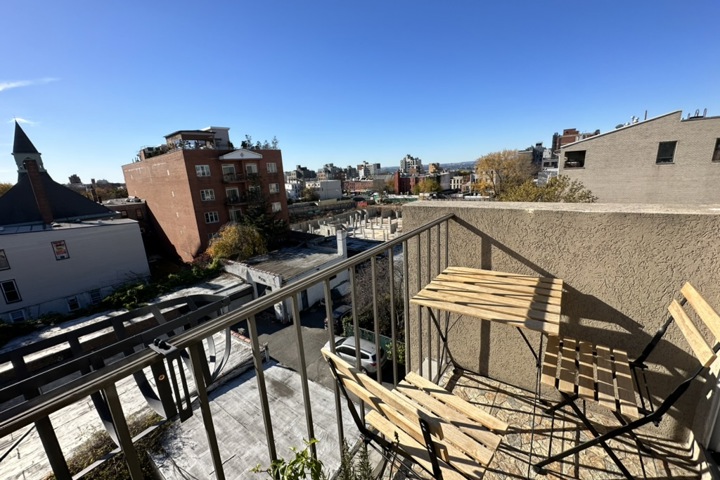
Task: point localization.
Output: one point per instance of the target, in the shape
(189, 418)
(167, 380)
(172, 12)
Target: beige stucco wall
(620, 166)
(622, 265)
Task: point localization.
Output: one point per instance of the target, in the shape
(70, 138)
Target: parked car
(339, 314)
(345, 349)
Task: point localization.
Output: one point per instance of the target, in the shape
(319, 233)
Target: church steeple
(23, 149)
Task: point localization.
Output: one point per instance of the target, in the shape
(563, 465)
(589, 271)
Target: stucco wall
(620, 166)
(622, 265)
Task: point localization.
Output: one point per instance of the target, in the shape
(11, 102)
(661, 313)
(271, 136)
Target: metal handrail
(40, 407)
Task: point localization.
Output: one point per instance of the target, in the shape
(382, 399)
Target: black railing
(36, 399)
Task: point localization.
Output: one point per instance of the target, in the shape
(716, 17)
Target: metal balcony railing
(183, 338)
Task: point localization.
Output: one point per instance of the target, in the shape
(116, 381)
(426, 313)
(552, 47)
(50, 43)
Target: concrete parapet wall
(622, 265)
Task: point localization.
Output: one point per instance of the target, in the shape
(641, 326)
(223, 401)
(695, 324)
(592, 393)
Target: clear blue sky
(343, 81)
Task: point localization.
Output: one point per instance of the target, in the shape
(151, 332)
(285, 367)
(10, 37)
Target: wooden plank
(457, 403)
(606, 387)
(449, 414)
(568, 369)
(706, 313)
(548, 323)
(506, 276)
(550, 361)
(506, 286)
(529, 300)
(350, 375)
(493, 302)
(625, 385)
(412, 447)
(586, 372)
(704, 353)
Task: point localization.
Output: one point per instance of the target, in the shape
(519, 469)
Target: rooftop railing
(34, 399)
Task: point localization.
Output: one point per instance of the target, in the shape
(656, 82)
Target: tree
(309, 195)
(4, 187)
(429, 185)
(500, 171)
(237, 242)
(558, 189)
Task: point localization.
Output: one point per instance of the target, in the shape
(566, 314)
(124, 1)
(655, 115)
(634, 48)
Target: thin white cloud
(25, 83)
(22, 120)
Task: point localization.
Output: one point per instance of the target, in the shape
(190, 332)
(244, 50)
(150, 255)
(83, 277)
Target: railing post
(197, 355)
(123, 433)
(303, 375)
(262, 389)
(393, 319)
(331, 341)
(406, 303)
(376, 318)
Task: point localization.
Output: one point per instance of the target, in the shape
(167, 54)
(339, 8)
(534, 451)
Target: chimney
(342, 242)
(43, 203)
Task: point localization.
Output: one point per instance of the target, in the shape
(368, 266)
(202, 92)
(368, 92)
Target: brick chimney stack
(33, 172)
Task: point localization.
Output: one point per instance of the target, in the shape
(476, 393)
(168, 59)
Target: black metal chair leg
(598, 440)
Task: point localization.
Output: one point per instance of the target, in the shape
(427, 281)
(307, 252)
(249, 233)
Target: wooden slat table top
(518, 300)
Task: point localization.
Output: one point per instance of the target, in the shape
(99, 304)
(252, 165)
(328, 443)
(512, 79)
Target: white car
(345, 349)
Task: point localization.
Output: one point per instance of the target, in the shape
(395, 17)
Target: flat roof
(58, 226)
(293, 261)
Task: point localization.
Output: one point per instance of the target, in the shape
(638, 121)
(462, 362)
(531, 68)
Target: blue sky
(343, 81)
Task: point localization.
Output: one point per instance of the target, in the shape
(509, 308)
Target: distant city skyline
(343, 83)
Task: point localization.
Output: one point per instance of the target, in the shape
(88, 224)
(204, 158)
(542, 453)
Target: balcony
(234, 178)
(620, 265)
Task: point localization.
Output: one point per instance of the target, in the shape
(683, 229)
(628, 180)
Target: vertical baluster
(303, 375)
(131, 457)
(419, 308)
(376, 316)
(393, 319)
(197, 356)
(406, 304)
(428, 270)
(262, 388)
(331, 341)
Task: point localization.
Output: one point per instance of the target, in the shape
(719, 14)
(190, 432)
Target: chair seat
(593, 372)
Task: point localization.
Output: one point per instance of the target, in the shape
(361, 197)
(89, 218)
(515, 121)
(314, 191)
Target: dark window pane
(666, 152)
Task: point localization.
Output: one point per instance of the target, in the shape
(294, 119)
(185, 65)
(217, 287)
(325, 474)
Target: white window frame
(274, 187)
(14, 317)
(15, 288)
(207, 195)
(202, 170)
(228, 169)
(212, 217)
(276, 206)
(251, 168)
(272, 167)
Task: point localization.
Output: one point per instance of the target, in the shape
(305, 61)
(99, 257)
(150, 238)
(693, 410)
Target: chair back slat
(702, 350)
(706, 313)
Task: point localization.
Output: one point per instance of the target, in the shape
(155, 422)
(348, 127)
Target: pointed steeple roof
(22, 143)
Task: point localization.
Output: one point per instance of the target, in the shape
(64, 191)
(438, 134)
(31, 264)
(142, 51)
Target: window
(123, 214)
(232, 194)
(236, 215)
(228, 170)
(207, 195)
(212, 217)
(254, 190)
(276, 206)
(213, 235)
(139, 213)
(575, 159)
(95, 296)
(272, 167)
(202, 170)
(72, 303)
(17, 315)
(274, 188)
(716, 152)
(251, 168)
(666, 152)
(4, 265)
(60, 249)
(10, 291)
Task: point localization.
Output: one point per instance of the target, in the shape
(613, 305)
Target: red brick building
(197, 182)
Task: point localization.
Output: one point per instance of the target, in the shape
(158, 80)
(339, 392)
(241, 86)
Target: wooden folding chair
(582, 370)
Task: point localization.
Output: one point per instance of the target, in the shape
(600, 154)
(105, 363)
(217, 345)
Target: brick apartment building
(197, 182)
